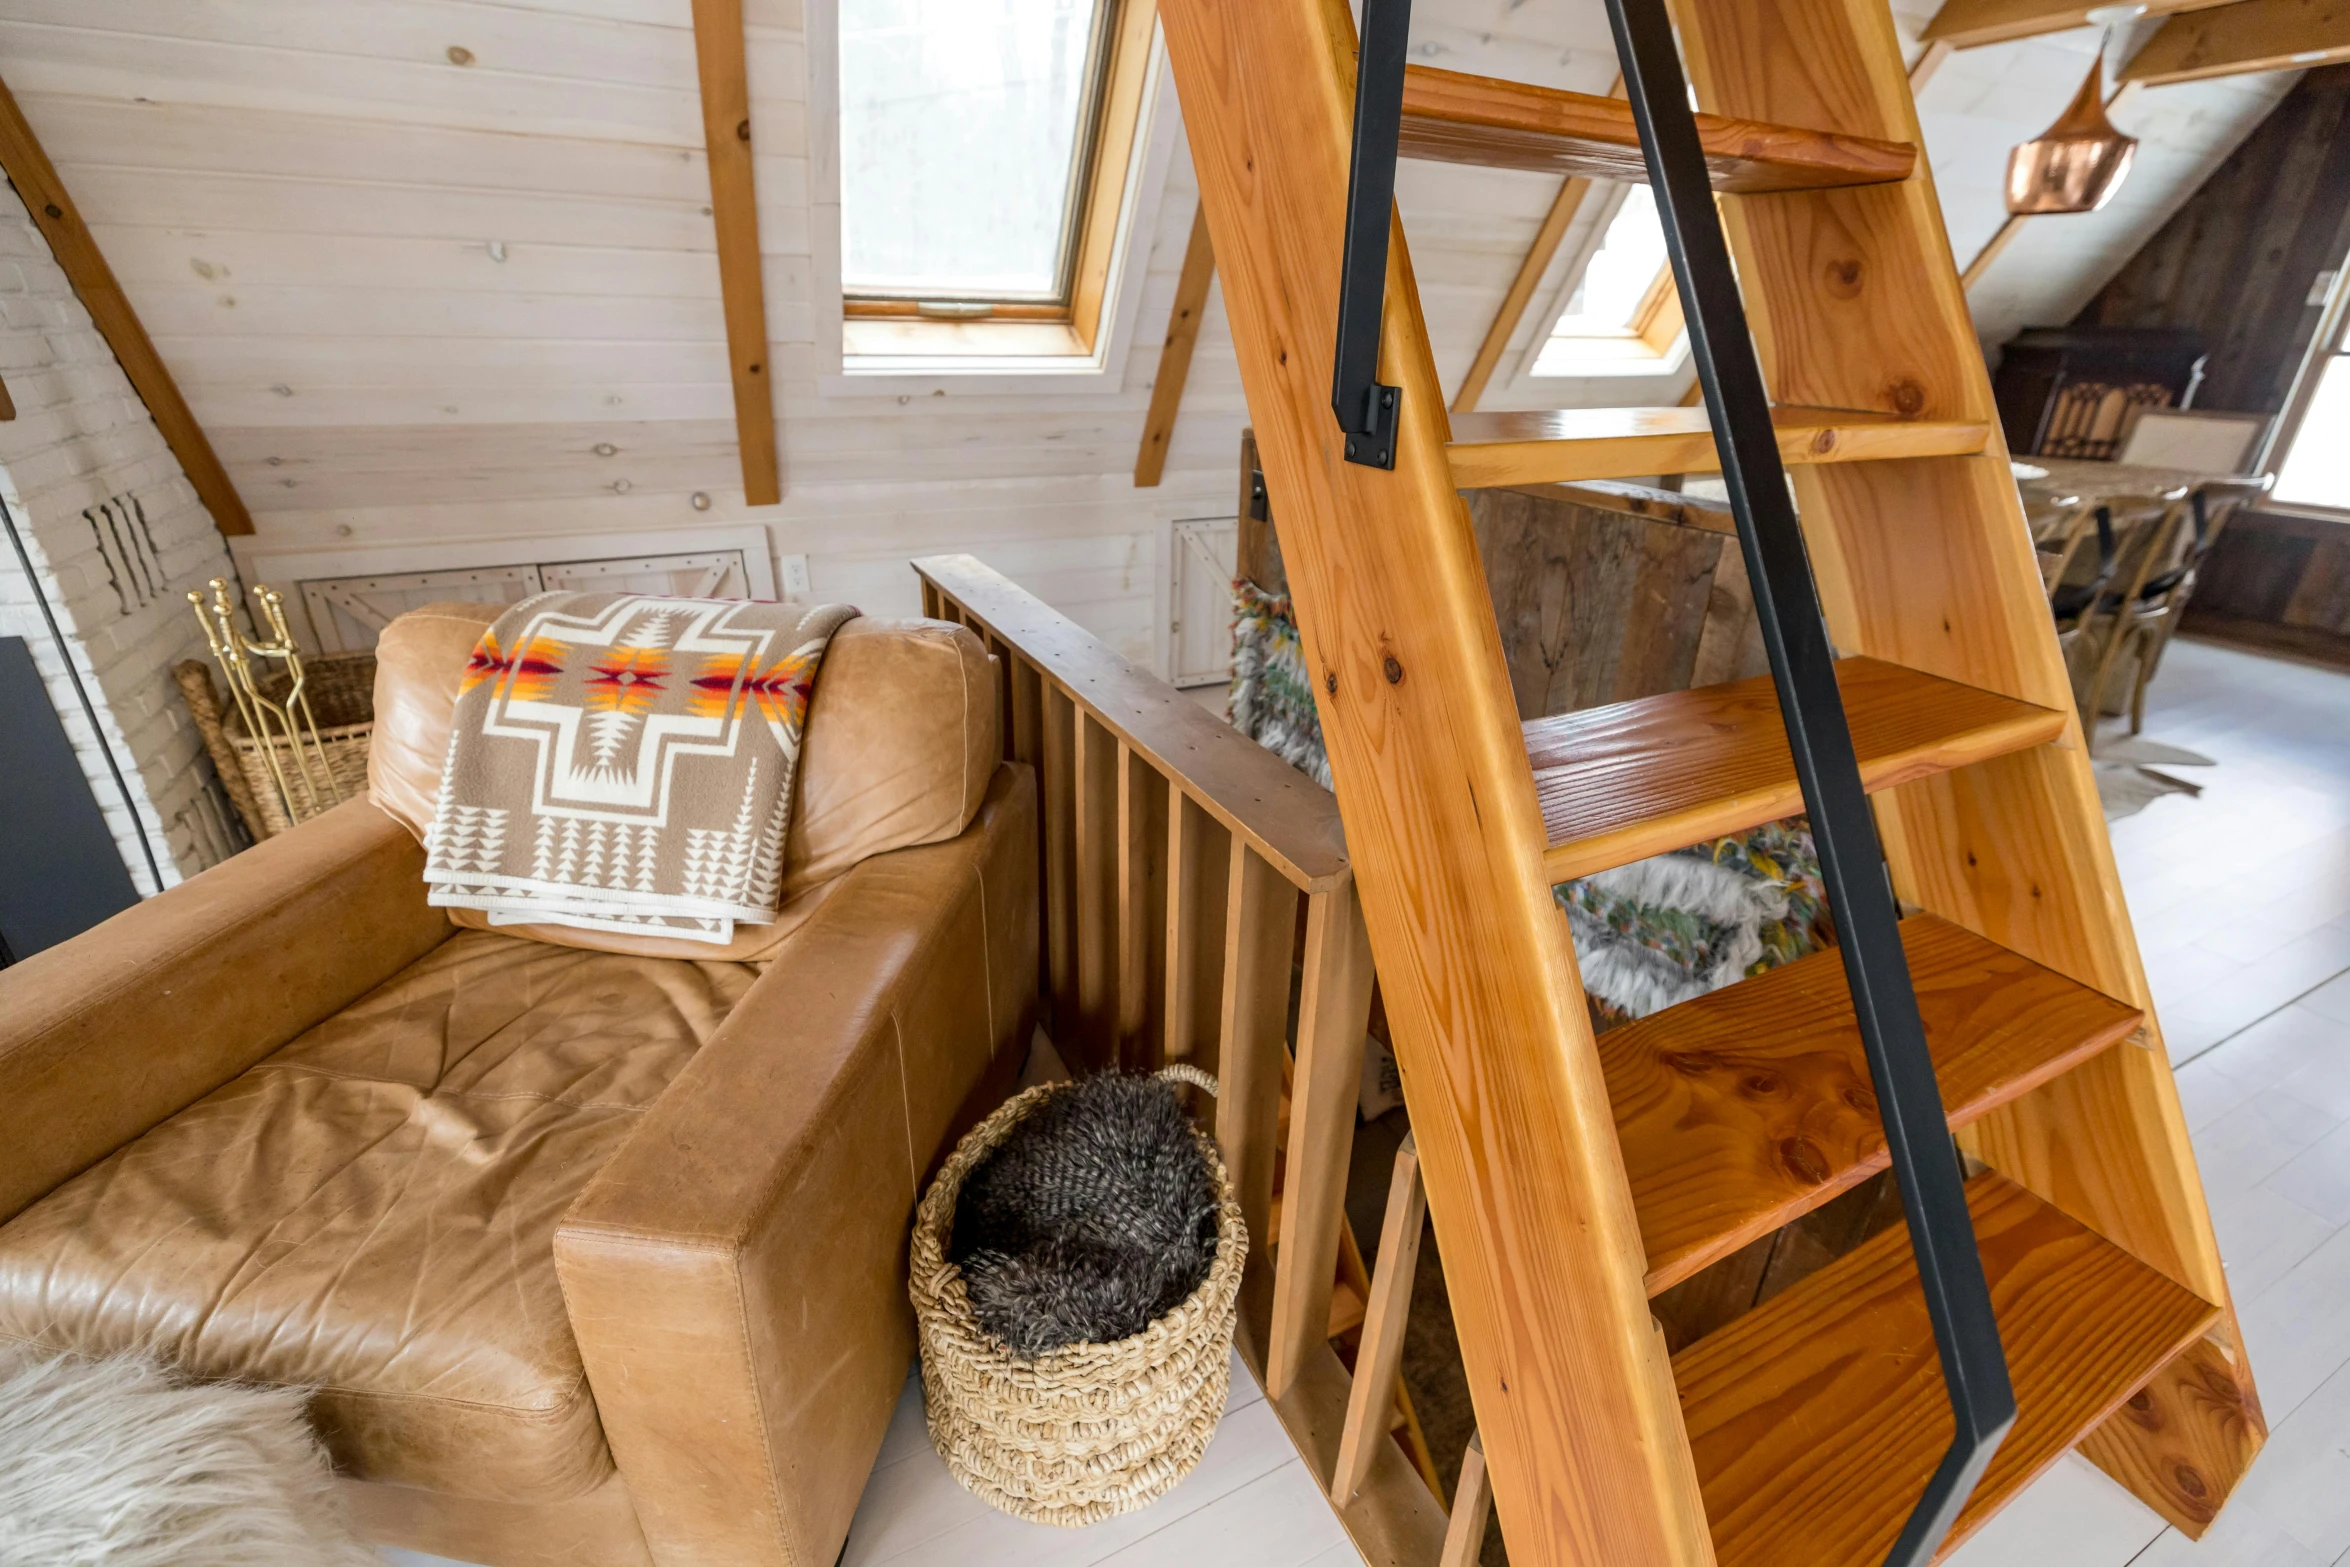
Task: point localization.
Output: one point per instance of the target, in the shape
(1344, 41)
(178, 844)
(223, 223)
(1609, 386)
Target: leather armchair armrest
(106, 1035)
(736, 1274)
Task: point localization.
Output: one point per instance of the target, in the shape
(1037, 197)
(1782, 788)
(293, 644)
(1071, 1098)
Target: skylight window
(1624, 315)
(968, 131)
(2316, 470)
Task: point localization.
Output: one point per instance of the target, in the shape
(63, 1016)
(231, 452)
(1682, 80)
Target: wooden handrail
(1173, 852)
(1282, 814)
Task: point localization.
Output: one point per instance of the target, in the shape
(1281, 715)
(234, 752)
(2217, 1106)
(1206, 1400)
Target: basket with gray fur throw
(1030, 1415)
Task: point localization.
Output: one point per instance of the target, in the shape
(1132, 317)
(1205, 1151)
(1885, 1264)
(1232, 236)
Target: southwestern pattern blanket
(625, 763)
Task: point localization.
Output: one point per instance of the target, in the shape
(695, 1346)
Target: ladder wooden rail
(1454, 117)
(1544, 1197)
(1856, 299)
(1949, 1265)
(1566, 445)
(1175, 856)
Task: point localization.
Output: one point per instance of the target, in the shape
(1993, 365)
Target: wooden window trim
(896, 325)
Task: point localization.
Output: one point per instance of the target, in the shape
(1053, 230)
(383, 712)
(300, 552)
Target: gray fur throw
(1096, 1216)
(117, 1463)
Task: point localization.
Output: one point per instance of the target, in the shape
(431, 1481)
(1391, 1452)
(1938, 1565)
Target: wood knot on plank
(1801, 1158)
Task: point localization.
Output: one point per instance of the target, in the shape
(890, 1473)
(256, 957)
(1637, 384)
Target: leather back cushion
(900, 744)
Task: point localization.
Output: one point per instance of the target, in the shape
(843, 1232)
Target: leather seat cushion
(371, 1212)
(902, 739)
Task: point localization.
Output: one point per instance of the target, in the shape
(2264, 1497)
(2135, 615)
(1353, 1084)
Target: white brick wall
(82, 439)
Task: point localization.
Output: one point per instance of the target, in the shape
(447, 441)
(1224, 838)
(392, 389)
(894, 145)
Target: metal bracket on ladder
(1917, 1130)
(1367, 411)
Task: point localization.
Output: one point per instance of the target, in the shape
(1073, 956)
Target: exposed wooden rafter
(1573, 192)
(77, 253)
(726, 130)
(1191, 301)
(1966, 24)
(2253, 35)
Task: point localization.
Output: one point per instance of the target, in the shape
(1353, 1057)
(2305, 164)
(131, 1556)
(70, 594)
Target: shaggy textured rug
(1647, 935)
(1272, 700)
(1096, 1216)
(113, 1463)
(2126, 785)
(1663, 930)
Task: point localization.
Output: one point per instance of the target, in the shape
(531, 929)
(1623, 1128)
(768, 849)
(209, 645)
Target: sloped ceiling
(1983, 101)
(447, 252)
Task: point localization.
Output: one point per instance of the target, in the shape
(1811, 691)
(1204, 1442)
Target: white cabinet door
(713, 574)
(346, 613)
(1206, 555)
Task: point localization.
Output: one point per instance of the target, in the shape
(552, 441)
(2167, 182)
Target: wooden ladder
(1571, 1179)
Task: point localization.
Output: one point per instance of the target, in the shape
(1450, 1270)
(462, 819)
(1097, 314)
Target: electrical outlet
(795, 576)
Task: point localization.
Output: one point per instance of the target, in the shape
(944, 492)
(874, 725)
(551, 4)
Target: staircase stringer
(1573, 1390)
(1854, 300)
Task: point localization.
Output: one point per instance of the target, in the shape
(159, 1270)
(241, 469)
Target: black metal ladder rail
(1795, 634)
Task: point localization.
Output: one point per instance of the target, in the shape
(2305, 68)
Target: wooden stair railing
(1174, 854)
(1559, 1182)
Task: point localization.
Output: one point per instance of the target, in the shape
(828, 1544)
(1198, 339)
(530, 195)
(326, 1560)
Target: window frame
(2331, 341)
(1657, 323)
(875, 340)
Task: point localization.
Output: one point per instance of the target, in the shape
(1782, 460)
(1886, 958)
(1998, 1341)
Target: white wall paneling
(413, 300)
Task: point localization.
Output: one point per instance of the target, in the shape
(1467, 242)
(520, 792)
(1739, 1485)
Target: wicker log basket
(1093, 1430)
(340, 688)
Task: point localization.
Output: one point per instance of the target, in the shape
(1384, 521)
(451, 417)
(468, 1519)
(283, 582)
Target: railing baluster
(1060, 862)
(1199, 864)
(1333, 1012)
(1472, 1504)
(1371, 1403)
(1260, 931)
(1142, 912)
(1097, 895)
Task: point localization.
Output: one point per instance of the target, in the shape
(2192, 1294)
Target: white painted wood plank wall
(416, 300)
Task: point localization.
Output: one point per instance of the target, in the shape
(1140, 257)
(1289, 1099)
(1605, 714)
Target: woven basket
(341, 692)
(1087, 1432)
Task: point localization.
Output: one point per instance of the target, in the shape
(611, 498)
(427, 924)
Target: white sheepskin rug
(114, 1463)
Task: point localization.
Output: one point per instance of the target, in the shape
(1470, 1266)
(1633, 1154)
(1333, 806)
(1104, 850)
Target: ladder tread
(1743, 1109)
(1454, 117)
(1621, 782)
(1564, 445)
(1816, 1418)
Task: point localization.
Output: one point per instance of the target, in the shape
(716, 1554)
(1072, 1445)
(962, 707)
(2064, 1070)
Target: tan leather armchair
(592, 1248)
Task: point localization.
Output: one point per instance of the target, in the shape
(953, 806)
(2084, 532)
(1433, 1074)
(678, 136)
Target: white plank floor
(2242, 904)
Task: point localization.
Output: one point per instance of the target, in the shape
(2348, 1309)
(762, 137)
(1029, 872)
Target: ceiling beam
(2253, 35)
(1968, 24)
(78, 256)
(1191, 302)
(726, 131)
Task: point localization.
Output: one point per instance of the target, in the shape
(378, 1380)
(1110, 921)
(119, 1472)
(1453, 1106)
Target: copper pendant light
(2076, 164)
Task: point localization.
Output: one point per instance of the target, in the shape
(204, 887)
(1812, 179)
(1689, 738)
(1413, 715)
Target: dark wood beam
(2253, 35)
(77, 253)
(726, 129)
(1966, 24)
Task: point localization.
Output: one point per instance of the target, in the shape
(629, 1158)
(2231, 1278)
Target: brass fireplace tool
(282, 727)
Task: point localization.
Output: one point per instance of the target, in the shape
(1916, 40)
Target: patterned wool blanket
(624, 763)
